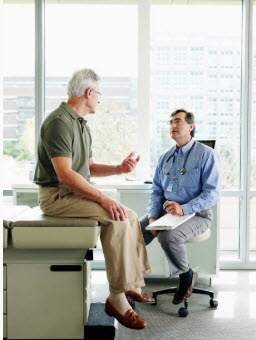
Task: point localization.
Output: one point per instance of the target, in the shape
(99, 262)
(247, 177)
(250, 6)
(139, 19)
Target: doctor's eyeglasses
(176, 121)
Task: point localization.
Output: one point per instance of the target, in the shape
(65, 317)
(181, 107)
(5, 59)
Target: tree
(27, 142)
(11, 149)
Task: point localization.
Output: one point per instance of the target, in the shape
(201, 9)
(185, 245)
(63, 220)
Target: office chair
(183, 311)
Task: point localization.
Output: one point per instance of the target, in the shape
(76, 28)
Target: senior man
(63, 172)
(186, 181)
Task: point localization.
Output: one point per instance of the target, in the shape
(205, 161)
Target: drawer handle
(66, 268)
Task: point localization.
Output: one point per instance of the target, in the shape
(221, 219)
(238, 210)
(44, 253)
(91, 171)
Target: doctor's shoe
(129, 320)
(183, 291)
(139, 297)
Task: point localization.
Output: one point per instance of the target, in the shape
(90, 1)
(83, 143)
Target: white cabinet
(53, 302)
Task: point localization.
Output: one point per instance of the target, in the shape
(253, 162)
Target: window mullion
(39, 67)
(246, 97)
(143, 84)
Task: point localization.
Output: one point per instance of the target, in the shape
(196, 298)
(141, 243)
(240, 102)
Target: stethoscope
(182, 171)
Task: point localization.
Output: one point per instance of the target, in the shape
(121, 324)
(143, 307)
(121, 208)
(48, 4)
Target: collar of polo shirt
(72, 113)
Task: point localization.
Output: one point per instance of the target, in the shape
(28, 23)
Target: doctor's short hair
(190, 119)
(81, 81)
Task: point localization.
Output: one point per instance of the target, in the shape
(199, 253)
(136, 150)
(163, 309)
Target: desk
(133, 194)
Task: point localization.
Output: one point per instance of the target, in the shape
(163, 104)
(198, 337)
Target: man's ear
(87, 92)
(192, 126)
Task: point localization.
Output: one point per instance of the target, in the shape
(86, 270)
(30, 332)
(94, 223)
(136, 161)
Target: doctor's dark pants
(173, 241)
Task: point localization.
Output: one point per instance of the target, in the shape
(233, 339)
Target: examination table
(46, 274)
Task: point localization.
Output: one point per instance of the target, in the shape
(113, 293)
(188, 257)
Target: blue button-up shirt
(198, 189)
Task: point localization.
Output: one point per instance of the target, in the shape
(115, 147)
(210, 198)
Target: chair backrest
(211, 142)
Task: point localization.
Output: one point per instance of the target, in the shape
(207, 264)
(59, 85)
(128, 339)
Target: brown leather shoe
(139, 297)
(183, 291)
(129, 320)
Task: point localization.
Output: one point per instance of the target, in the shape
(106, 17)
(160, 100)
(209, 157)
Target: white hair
(81, 81)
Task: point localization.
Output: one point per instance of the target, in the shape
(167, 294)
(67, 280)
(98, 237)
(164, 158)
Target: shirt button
(174, 192)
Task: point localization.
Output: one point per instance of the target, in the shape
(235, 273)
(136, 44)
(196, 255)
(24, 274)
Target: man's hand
(154, 232)
(128, 164)
(117, 211)
(173, 208)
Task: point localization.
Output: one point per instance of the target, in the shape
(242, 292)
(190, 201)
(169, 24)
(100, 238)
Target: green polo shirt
(63, 133)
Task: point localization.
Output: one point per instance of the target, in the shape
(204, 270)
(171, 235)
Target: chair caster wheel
(213, 303)
(183, 312)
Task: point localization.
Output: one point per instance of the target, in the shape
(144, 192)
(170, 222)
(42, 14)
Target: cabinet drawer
(54, 309)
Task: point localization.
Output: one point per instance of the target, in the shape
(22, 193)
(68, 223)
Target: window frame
(143, 100)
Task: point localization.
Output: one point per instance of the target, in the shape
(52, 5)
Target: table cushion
(82, 237)
(32, 217)
(8, 213)
(31, 229)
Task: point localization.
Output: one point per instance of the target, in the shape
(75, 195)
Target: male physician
(186, 181)
(63, 173)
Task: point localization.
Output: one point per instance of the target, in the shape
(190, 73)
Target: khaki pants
(122, 241)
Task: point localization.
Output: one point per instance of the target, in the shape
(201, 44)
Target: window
(111, 50)
(252, 189)
(180, 80)
(212, 106)
(162, 55)
(227, 60)
(227, 83)
(227, 105)
(180, 55)
(212, 83)
(179, 101)
(163, 105)
(207, 81)
(18, 91)
(196, 55)
(196, 66)
(212, 58)
(164, 79)
(197, 103)
(213, 130)
(196, 80)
